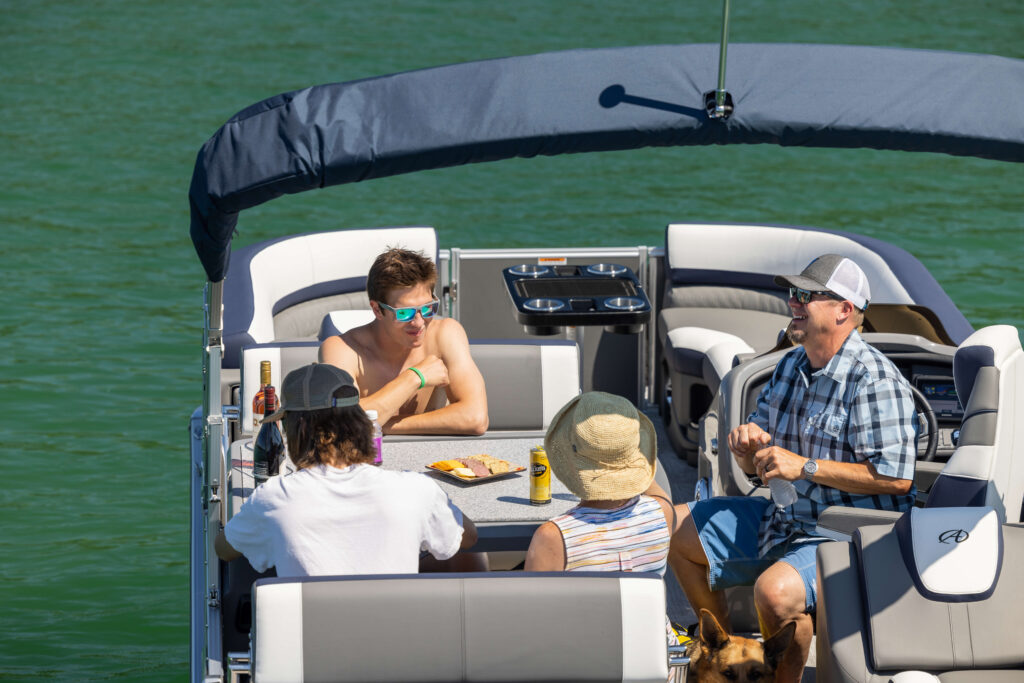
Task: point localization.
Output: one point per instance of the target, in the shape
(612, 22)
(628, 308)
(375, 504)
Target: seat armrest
(839, 522)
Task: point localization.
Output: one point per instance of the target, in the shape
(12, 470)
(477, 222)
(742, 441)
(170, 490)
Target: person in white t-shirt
(338, 513)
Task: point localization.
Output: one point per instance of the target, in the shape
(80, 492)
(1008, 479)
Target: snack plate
(475, 480)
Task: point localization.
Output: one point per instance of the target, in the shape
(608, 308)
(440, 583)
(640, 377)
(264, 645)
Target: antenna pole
(718, 103)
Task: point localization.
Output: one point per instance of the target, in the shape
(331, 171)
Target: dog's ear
(711, 632)
(777, 644)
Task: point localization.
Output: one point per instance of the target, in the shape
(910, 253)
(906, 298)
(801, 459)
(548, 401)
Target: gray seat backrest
(526, 381)
(706, 255)
(499, 626)
(988, 370)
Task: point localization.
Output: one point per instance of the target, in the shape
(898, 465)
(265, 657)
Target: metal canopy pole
(213, 478)
(718, 103)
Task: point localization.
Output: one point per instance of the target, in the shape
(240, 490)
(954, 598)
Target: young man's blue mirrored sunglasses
(804, 295)
(404, 315)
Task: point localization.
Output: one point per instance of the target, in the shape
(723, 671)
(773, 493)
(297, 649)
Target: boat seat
(338, 322)
(981, 471)
(496, 626)
(527, 381)
(721, 278)
(280, 289)
(937, 593)
(988, 370)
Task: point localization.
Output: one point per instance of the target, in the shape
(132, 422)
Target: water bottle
(378, 436)
(783, 492)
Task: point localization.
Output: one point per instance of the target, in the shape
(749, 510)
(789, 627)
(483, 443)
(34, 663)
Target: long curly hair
(332, 436)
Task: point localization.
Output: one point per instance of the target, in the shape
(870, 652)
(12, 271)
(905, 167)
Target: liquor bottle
(378, 437)
(259, 400)
(268, 449)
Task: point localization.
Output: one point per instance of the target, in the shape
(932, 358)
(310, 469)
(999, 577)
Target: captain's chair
(721, 304)
(986, 467)
(495, 626)
(935, 597)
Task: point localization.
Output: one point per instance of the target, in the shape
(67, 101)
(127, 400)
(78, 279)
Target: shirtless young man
(416, 372)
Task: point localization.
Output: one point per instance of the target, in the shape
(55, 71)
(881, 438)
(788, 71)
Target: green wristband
(423, 380)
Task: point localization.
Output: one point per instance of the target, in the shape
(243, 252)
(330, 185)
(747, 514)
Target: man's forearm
(746, 463)
(224, 550)
(392, 396)
(454, 418)
(861, 478)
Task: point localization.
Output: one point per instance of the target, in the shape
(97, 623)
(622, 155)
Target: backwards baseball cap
(313, 387)
(834, 273)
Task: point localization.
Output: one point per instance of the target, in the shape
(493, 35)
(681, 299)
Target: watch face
(810, 467)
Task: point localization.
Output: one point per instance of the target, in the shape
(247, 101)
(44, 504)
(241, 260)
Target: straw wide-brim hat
(601, 447)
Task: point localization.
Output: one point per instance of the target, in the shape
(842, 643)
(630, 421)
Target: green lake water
(104, 106)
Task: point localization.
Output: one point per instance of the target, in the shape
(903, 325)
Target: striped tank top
(631, 538)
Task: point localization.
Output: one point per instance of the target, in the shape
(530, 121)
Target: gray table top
(494, 502)
(506, 499)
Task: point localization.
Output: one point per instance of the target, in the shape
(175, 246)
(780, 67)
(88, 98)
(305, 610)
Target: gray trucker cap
(313, 387)
(834, 273)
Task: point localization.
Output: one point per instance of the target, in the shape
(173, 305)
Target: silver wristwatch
(810, 469)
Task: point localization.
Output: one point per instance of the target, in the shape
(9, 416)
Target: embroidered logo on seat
(953, 536)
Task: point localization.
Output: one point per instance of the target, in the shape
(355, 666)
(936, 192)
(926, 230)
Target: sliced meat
(479, 469)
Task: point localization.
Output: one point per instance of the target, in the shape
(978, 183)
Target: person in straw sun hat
(605, 452)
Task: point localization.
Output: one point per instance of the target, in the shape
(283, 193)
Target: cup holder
(543, 305)
(529, 270)
(606, 269)
(624, 303)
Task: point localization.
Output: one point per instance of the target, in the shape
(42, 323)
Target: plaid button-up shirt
(858, 408)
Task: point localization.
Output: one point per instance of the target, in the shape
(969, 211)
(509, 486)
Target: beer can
(540, 477)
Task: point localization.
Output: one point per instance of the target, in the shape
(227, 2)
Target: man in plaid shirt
(837, 424)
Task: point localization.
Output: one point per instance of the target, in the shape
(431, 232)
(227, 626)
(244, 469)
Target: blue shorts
(729, 533)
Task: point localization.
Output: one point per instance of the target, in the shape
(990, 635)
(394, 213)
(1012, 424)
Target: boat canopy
(600, 100)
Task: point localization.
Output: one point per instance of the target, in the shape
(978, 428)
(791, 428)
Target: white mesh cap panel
(850, 282)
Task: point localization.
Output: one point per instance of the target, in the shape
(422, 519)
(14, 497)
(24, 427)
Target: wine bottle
(268, 449)
(259, 400)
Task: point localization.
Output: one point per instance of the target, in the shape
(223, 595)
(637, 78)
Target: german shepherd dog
(715, 656)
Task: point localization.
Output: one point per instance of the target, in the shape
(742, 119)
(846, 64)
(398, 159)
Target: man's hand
(776, 462)
(745, 441)
(435, 372)
(748, 439)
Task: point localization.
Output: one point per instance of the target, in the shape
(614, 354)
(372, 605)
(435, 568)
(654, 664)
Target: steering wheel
(925, 412)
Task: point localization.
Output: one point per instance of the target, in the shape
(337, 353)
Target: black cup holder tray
(550, 297)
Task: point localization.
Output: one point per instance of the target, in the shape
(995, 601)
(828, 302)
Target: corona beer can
(540, 477)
